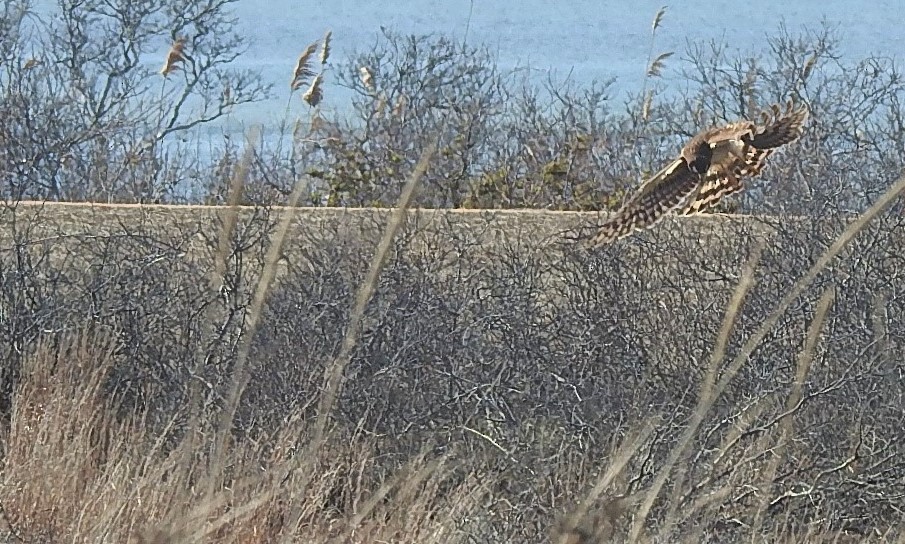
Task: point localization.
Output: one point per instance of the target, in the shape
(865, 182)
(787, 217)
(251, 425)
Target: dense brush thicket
(490, 337)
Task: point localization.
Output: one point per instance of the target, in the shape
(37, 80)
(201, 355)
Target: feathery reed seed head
(808, 66)
(302, 68)
(657, 65)
(175, 57)
(325, 50)
(658, 18)
(367, 78)
(314, 94)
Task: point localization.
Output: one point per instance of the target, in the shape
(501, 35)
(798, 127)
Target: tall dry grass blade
(334, 372)
(240, 372)
(62, 443)
(901, 538)
(314, 94)
(646, 105)
(652, 68)
(229, 219)
(658, 18)
(706, 395)
(416, 472)
(793, 403)
(709, 391)
(205, 528)
(325, 48)
(175, 57)
(230, 216)
(745, 419)
(633, 442)
(303, 68)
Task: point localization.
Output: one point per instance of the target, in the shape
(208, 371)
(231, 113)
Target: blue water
(585, 39)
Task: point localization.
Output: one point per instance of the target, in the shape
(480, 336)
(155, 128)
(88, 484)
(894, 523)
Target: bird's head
(698, 154)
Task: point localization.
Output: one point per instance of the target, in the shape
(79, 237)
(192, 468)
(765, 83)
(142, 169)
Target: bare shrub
(86, 119)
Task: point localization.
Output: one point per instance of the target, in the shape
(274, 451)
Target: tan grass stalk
(654, 66)
(574, 522)
(793, 402)
(414, 474)
(854, 228)
(334, 372)
(706, 396)
(314, 94)
(62, 453)
(175, 57)
(230, 215)
(303, 68)
(325, 49)
(240, 372)
(646, 105)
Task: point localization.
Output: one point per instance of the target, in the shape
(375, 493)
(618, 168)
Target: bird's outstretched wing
(776, 128)
(668, 190)
(711, 166)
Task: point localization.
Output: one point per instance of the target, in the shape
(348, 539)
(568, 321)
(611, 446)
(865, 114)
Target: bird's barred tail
(712, 191)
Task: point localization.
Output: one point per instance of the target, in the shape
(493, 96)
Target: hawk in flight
(710, 166)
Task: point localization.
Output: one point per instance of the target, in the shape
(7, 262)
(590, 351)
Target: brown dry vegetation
(501, 376)
(267, 372)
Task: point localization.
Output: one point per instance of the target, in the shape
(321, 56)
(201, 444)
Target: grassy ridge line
(554, 219)
(551, 230)
(331, 209)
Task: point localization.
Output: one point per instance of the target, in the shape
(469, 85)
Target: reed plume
(325, 50)
(653, 70)
(302, 68)
(314, 94)
(175, 57)
(367, 78)
(658, 18)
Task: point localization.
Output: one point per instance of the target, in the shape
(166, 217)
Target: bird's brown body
(710, 166)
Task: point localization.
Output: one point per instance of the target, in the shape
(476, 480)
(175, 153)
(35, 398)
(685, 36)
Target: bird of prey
(710, 166)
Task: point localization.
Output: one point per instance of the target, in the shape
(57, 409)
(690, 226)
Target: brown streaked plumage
(710, 166)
